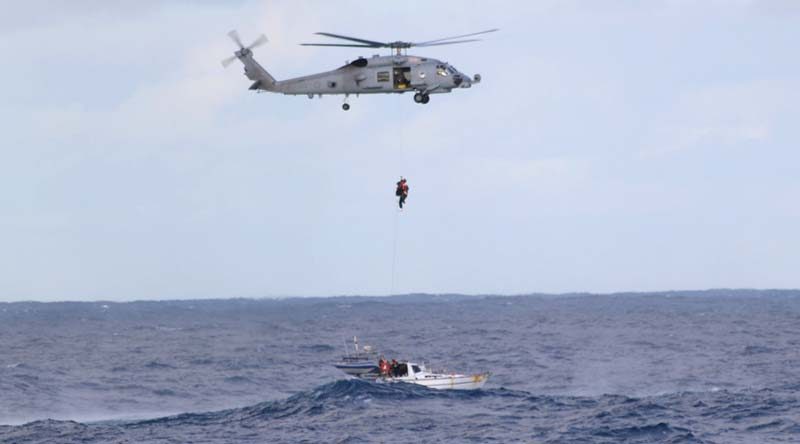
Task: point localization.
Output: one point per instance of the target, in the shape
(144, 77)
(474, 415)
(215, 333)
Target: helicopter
(393, 74)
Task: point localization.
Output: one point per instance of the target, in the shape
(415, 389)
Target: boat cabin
(410, 370)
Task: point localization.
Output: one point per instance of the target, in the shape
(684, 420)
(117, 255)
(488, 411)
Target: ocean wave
(342, 394)
(156, 365)
(318, 348)
(349, 393)
(596, 419)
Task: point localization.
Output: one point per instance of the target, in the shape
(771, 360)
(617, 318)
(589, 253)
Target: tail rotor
(243, 50)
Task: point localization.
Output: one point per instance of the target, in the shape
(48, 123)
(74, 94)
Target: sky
(612, 146)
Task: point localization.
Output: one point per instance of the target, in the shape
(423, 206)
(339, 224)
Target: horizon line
(414, 294)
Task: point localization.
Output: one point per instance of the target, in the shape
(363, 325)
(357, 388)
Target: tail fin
(253, 71)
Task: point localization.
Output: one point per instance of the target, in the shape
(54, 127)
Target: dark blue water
(705, 367)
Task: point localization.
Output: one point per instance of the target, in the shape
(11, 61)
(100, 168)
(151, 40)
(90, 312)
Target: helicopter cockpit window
(441, 70)
(451, 69)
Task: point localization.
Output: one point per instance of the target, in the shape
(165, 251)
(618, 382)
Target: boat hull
(446, 382)
(357, 369)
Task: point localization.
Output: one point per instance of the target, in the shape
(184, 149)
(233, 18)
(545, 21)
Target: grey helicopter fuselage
(398, 73)
(378, 74)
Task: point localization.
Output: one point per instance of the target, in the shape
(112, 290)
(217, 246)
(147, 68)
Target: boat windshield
(416, 368)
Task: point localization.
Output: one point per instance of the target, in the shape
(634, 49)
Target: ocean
(719, 366)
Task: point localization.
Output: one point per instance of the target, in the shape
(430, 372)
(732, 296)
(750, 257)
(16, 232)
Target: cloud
(721, 116)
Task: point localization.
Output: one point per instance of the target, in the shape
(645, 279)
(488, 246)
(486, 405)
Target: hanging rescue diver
(402, 191)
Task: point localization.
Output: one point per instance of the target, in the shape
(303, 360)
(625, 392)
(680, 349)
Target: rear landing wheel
(426, 98)
(418, 98)
(346, 107)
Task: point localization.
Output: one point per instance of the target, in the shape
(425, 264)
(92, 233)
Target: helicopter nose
(462, 81)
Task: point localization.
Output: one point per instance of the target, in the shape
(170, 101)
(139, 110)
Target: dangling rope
(394, 250)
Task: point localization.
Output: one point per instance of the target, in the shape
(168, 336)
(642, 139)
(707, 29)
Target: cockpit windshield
(451, 69)
(441, 70)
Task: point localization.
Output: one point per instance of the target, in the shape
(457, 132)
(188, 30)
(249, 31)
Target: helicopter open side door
(402, 78)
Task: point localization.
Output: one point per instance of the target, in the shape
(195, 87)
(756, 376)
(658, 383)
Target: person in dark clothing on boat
(395, 368)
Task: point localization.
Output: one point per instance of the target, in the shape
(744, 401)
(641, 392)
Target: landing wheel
(418, 98)
(346, 106)
(426, 98)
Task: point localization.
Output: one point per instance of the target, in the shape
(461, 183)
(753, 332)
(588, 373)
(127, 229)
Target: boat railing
(366, 353)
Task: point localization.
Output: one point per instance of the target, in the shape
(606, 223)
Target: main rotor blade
(258, 42)
(339, 44)
(236, 39)
(352, 39)
(457, 37)
(445, 43)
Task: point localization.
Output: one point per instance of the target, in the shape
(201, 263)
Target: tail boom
(255, 72)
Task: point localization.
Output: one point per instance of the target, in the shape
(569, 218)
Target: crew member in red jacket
(402, 191)
(383, 364)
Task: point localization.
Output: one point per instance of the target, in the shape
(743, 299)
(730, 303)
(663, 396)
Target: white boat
(413, 373)
(363, 363)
